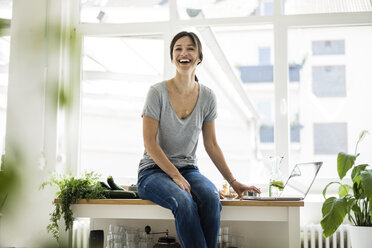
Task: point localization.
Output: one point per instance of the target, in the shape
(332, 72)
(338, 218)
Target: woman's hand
(240, 188)
(182, 183)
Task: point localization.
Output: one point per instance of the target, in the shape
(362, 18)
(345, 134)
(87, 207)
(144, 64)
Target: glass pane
(252, 55)
(123, 11)
(6, 9)
(117, 74)
(221, 9)
(330, 101)
(292, 7)
(4, 65)
(250, 51)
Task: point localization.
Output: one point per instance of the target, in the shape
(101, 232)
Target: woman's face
(185, 55)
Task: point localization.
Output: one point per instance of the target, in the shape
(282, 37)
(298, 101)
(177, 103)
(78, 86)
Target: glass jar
(276, 184)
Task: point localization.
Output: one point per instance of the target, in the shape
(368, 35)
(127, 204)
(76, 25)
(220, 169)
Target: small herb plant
(357, 204)
(70, 190)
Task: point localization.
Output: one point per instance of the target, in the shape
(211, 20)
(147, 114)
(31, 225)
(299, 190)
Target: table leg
(294, 227)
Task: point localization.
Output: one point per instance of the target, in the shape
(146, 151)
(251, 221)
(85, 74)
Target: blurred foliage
(70, 190)
(4, 23)
(63, 44)
(10, 177)
(63, 96)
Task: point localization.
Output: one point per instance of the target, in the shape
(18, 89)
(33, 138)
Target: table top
(224, 202)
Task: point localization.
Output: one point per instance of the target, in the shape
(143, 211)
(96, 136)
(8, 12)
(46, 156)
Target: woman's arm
(215, 153)
(150, 130)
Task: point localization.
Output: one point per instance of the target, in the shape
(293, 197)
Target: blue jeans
(198, 217)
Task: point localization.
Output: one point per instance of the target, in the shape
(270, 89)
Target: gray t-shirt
(177, 137)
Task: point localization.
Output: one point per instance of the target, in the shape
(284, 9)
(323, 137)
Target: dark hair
(195, 41)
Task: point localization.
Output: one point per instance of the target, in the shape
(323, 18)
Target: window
(117, 73)
(327, 67)
(268, 8)
(329, 81)
(328, 47)
(264, 56)
(293, 7)
(251, 56)
(267, 121)
(123, 11)
(330, 118)
(223, 9)
(330, 138)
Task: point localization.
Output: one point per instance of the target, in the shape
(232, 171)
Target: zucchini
(104, 185)
(121, 194)
(112, 184)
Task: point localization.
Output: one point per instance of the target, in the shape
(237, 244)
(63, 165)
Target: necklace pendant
(187, 112)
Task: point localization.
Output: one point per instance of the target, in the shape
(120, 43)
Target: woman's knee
(182, 201)
(210, 200)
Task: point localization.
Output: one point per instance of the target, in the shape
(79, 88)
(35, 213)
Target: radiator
(312, 237)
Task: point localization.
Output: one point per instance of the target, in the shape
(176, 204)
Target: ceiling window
(294, 7)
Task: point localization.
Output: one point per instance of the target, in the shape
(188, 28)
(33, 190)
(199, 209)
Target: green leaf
(344, 163)
(352, 206)
(334, 211)
(356, 209)
(366, 183)
(358, 192)
(356, 171)
(343, 190)
(325, 189)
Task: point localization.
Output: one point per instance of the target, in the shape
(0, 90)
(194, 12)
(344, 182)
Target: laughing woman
(175, 113)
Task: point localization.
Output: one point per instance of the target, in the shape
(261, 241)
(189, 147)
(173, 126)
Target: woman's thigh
(156, 186)
(201, 186)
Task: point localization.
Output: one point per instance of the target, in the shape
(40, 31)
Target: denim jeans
(198, 217)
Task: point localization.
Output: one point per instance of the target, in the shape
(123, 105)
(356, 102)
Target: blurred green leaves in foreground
(4, 23)
(10, 178)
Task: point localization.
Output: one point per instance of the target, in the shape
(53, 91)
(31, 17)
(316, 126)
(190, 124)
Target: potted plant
(70, 190)
(354, 200)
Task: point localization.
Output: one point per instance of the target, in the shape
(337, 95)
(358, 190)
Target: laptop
(297, 186)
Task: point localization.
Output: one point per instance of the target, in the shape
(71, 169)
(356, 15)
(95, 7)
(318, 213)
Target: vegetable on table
(112, 184)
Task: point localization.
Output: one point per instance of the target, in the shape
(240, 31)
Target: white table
(287, 212)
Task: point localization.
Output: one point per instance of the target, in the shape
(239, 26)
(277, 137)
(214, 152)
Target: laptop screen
(301, 178)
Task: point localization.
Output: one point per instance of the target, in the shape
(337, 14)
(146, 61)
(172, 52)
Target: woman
(175, 113)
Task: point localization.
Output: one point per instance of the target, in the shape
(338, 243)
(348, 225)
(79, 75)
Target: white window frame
(281, 24)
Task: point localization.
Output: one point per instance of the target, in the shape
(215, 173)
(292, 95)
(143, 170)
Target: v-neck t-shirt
(178, 138)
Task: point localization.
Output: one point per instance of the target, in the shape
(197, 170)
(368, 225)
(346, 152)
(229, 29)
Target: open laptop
(298, 183)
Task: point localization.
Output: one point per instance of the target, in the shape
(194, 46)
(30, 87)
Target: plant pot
(360, 236)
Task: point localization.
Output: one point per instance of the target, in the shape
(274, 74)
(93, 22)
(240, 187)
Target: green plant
(354, 201)
(70, 190)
